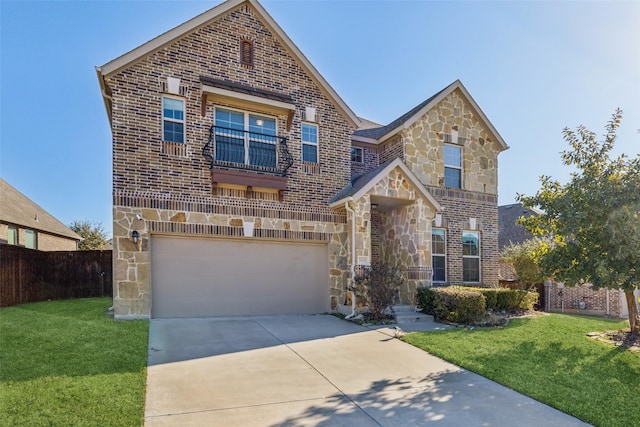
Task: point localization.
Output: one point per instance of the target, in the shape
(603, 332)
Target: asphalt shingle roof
(377, 132)
(16, 208)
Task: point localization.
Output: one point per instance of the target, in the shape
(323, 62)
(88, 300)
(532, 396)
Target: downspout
(353, 256)
(608, 302)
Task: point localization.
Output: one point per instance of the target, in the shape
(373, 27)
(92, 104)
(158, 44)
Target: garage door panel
(211, 277)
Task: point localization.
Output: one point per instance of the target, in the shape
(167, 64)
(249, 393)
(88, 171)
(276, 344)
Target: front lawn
(65, 363)
(551, 359)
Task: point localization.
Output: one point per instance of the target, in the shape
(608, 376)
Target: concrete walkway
(317, 371)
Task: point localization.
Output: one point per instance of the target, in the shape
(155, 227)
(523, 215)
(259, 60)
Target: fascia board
(365, 139)
(168, 37)
(206, 17)
(453, 86)
(315, 74)
(397, 163)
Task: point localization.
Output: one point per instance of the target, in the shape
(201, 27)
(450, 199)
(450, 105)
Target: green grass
(550, 359)
(65, 363)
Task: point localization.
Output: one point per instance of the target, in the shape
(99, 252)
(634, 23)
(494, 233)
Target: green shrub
(458, 305)
(491, 297)
(508, 299)
(425, 299)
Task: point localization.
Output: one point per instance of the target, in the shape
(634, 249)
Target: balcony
(247, 158)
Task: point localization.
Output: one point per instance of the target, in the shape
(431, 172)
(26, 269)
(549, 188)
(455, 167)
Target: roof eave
(443, 94)
(103, 91)
(204, 18)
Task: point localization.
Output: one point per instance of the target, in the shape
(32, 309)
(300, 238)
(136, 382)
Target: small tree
(525, 259)
(376, 285)
(93, 235)
(594, 218)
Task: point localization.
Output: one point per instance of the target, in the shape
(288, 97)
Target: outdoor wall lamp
(135, 236)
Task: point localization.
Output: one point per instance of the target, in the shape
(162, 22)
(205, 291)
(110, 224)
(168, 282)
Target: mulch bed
(624, 339)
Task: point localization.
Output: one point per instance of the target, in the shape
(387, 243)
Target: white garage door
(193, 277)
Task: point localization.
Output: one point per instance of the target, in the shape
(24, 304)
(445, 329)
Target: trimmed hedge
(459, 304)
(453, 304)
(508, 299)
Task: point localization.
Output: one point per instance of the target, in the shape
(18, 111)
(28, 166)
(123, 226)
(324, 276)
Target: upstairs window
(357, 155)
(452, 166)
(471, 257)
(245, 138)
(246, 53)
(439, 255)
(309, 143)
(172, 119)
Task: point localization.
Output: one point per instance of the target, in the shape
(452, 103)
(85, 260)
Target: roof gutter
(106, 98)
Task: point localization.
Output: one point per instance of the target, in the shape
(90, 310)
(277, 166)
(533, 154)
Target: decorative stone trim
(462, 194)
(254, 208)
(191, 229)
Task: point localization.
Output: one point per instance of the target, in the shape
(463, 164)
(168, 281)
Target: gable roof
(207, 18)
(18, 209)
(360, 185)
(510, 232)
(383, 133)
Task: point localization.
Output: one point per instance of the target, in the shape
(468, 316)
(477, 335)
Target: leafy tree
(525, 259)
(93, 235)
(594, 218)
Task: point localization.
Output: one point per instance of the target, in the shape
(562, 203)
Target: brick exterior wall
(139, 162)
(45, 241)
(584, 299)
(169, 185)
(165, 188)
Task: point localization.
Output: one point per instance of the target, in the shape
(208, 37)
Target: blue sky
(533, 67)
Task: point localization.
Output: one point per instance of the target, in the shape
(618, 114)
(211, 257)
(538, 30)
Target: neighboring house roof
(383, 133)
(360, 185)
(207, 18)
(18, 209)
(508, 231)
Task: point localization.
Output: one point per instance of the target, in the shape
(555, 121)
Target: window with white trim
(471, 256)
(172, 119)
(309, 143)
(439, 254)
(452, 166)
(245, 138)
(357, 155)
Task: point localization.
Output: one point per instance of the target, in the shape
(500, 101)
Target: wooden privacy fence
(27, 275)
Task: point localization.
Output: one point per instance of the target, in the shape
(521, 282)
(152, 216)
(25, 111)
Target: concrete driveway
(316, 371)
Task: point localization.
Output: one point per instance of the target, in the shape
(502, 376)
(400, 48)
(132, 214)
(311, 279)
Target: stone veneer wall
(213, 217)
(424, 141)
(404, 231)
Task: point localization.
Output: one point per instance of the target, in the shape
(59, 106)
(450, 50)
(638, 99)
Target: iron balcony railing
(247, 150)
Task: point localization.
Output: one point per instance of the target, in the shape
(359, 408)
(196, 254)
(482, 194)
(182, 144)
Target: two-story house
(243, 184)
